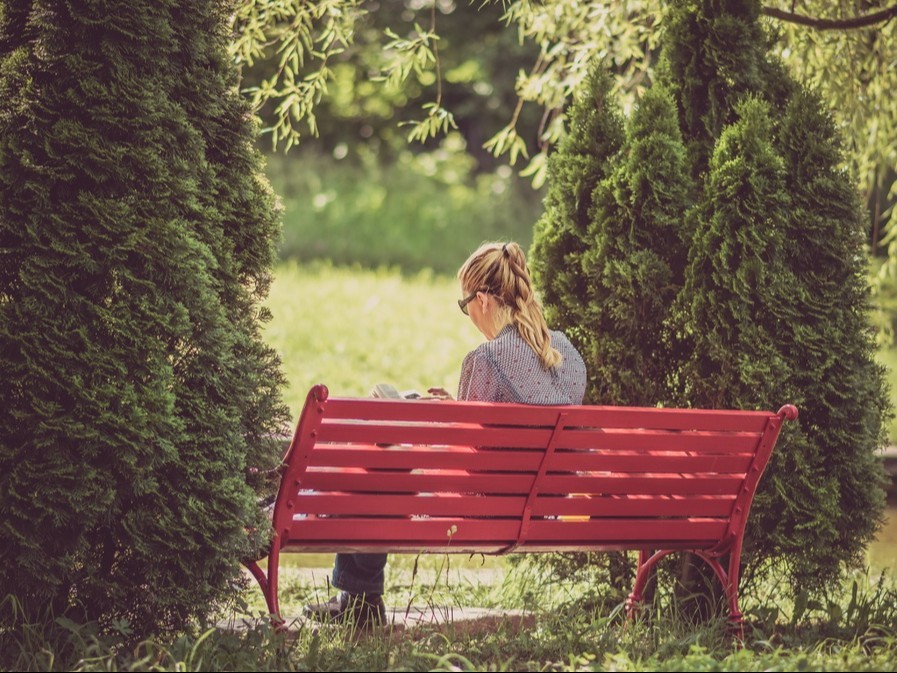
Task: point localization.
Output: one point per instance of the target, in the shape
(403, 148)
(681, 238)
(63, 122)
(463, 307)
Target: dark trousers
(359, 573)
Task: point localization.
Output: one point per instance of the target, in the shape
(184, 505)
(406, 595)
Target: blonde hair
(500, 269)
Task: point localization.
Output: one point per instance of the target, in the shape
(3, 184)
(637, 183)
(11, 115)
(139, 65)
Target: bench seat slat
(635, 506)
(660, 440)
(432, 504)
(645, 483)
(609, 417)
(491, 548)
(622, 483)
(445, 532)
(424, 457)
(639, 462)
(532, 438)
(429, 457)
(709, 531)
(377, 432)
(436, 504)
(392, 482)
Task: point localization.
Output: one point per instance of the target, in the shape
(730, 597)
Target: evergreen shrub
(760, 299)
(136, 240)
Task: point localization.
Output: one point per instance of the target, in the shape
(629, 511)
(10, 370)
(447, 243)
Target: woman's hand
(440, 393)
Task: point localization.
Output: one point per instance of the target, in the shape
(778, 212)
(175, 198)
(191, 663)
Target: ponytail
(501, 270)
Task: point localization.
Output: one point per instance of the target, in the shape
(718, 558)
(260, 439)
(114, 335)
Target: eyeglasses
(462, 303)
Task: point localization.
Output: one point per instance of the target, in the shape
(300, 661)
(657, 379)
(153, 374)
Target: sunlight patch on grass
(353, 328)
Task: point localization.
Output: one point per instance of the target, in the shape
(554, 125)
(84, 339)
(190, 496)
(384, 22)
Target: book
(387, 391)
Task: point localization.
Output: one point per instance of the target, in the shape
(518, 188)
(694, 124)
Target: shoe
(362, 610)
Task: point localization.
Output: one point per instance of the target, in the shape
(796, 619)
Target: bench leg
(729, 580)
(646, 563)
(730, 583)
(268, 584)
(736, 620)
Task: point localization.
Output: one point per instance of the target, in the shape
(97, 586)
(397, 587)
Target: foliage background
(352, 328)
(505, 71)
(582, 173)
(421, 211)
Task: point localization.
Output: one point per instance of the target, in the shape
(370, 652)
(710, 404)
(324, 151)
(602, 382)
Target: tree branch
(832, 24)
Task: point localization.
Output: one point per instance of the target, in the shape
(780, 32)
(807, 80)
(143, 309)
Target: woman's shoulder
(484, 351)
(562, 343)
(559, 337)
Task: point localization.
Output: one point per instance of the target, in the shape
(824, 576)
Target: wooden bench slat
(391, 482)
(445, 532)
(436, 504)
(519, 437)
(432, 504)
(640, 462)
(515, 483)
(429, 457)
(485, 547)
(645, 483)
(433, 531)
(661, 440)
(424, 457)
(643, 506)
(596, 416)
(697, 531)
(431, 433)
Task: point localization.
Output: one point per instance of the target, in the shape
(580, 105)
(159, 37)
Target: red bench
(379, 475)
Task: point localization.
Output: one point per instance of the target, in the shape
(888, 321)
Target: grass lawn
(351, 329)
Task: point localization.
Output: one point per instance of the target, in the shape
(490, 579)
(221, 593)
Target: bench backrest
(401, 475)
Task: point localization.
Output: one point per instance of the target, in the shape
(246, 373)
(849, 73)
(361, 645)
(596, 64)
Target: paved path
(467, 620)
(405, 616)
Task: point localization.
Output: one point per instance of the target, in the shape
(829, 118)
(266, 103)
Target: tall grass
(561, 631)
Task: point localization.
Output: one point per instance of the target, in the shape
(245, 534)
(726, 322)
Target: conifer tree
(610, 257)
(774, 307)
(821, 499)
(737, 272)
(584, 158)
(714, 53)
(635, 260)
(825, 498)
(136, 239)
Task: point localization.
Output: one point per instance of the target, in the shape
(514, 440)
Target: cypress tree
(825, 497)
(635, 261)
(736, 272)
(770, 326)
(821, 499)
(774, 304)
(714, 53)
(611, 258)
(583, 159)
(136, 238)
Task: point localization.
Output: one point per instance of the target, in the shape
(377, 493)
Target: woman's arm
(479, 379)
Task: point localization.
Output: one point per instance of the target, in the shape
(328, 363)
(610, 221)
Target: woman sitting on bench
(522, 361)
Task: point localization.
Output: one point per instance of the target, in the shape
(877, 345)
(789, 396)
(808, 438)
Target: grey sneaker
(362, 610)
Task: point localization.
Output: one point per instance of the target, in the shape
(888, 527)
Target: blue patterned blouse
(506, 369)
